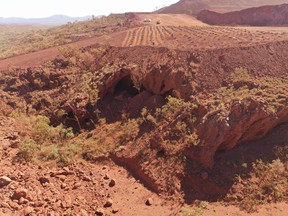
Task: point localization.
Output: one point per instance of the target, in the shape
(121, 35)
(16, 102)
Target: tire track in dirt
(127, 38)
(145, 35)
(164, 34)
(133, 37)
(156, 36)
(150, 38)
(140, 36)
(169, 32)
(159, 35)
(136, 37)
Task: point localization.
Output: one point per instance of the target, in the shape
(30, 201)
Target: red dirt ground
(74, 190)
(221, 6)
(81, 189)
(129, 195)
(257, 16)
(177, 31)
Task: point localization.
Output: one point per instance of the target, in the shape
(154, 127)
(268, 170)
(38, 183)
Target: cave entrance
(118, 99)
(70, 120)
(126, 85)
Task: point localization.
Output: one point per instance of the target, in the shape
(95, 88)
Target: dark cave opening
(119, 99)
(126, 85)
(70, 120)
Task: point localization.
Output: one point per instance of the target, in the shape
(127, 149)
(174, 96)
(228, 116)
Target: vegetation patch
(267, 183)
(16, 40)
(44, 142)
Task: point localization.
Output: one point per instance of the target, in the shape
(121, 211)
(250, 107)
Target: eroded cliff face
(181, 107)
(223, 6)
(260, 16)
(247, 120)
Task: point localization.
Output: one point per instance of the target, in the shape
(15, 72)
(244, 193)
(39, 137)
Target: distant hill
(222, 6)
(53, 20)
(258, 16)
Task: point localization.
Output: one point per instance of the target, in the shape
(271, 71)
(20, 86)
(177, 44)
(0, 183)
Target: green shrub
(43, 132)
(196, 210)
(193, 139)
(68, 51)
(49, 152)
(44, 141)
(175, 104)
(28, 149)
(42, 129)
(130, 130)
(240, 74)
(267, 182)
(67, 154)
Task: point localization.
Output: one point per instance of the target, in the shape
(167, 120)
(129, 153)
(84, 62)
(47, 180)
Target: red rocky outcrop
(258, 16)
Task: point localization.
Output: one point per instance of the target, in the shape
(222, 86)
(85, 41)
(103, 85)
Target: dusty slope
(81, 189)
(177, 31)
(259, 16)
(202, 77)
(75, 190)
(171, 19)
(165, 114)
(117, 39)
(222, 6)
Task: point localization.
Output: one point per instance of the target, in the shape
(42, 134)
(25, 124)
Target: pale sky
(45, 8)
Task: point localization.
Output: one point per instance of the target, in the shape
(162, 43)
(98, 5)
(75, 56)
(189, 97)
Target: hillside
(166, 117)
(222, 6)
(153, 111)
(16, 39)
(259, 16)
(53, 20)
(176, 31)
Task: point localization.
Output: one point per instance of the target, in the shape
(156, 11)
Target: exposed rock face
(4, 181)
(19, 193)
(160, 72)
(261, 16)
(248, 120)
(110, 80)
(195, 6)
(184, 6)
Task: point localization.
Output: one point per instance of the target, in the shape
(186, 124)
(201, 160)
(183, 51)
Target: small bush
(68, 153)
(49, 152)
(130, 130)
(196, 210)
(68, 51)
(44, 141)
(43, 132)
(268, 183)
(41, 129)
(28, 149)
(193, 139)
(240, 74)
(175, 104)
